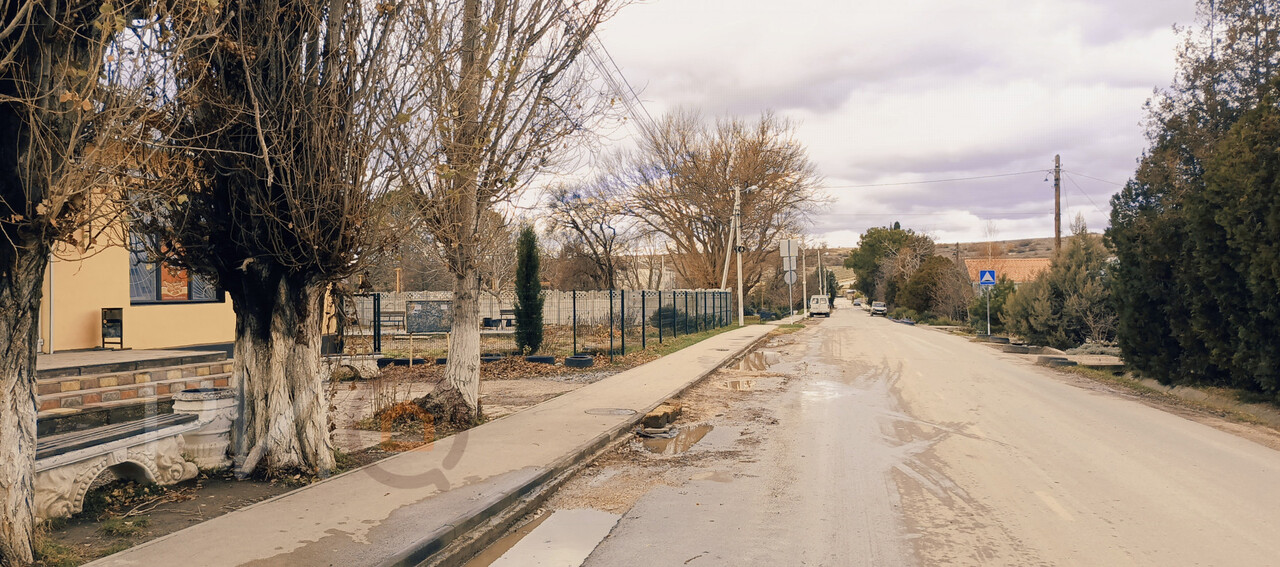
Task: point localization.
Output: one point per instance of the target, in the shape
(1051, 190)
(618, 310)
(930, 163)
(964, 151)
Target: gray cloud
(921, 90)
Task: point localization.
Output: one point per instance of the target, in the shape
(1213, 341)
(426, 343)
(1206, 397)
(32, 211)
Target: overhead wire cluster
(621, 87)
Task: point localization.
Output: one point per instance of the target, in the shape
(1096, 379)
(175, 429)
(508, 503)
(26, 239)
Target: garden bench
(164, 449)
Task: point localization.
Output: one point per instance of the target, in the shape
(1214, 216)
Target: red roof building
(1019, 270)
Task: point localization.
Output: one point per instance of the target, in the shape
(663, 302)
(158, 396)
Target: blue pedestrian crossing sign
(986, 277)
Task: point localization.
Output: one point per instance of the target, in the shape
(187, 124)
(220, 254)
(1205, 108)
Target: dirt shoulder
(1220, 409)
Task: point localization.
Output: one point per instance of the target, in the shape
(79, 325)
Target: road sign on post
(987, 279)
(789, 248)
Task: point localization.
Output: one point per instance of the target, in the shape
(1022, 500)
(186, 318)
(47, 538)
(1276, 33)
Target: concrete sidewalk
(399, 510)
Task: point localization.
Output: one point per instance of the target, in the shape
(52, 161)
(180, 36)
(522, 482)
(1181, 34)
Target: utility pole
(737, 223)
(822, 281)
(1057, 203)
(728, 245)
(804, 277)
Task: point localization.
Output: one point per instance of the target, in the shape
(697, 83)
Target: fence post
(700, 308)
(722, 309)
(674, 312)
(575, 321)
(610, 324)
(644, 330)
(377, 323)
(698, 312)
(658, 314)
(622, 321)
(686, 312)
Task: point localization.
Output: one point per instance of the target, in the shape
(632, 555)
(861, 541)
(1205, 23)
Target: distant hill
(1024, 248)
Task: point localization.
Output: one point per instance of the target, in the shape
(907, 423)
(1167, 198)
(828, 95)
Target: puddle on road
(560, 537)
(687, 437)
(713, 476)
(753, 361)
(739, 385)
(498, 548)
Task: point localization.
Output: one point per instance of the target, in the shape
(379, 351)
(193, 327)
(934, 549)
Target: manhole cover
(610, 411)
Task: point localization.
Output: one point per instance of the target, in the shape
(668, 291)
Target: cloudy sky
(914, 90)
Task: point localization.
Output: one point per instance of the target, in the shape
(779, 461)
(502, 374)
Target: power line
(1086, 195)
(925, 182)
(634, 95)
(627, 96)
(1094, 178)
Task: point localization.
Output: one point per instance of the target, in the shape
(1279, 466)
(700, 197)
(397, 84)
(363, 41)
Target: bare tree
(565, 264)
(643, 268)
(952, 292)
(75, 122)
(270, 192)
(501, 98)
(899, 263)
(595, 216)
(497, 253)
(993, 247)
(683, 178)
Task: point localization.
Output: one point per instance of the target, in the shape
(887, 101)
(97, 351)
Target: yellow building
(162, 307)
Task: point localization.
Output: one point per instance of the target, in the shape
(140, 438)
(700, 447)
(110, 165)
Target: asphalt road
(897, 445)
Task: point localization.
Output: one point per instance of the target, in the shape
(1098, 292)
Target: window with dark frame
(155, 282)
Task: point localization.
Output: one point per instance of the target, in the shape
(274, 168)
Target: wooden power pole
(1057, 203)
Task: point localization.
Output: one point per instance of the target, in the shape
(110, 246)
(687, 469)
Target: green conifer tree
(528, 306)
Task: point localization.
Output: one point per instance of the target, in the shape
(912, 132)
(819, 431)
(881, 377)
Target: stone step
(62, 384)
(135, 389)
(132, 366)
(88, 416)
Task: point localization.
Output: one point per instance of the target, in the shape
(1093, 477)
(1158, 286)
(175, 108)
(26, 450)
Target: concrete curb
(434, 548)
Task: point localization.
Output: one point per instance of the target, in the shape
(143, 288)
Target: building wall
(81, 288)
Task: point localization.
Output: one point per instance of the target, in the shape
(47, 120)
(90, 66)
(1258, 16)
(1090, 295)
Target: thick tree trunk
(20, 292)
(283, 419)
(463, 369)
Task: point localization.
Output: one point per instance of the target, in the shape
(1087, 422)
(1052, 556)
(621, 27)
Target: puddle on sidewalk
(683, 440)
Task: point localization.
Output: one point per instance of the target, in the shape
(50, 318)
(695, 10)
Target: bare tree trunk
(463, 368)
(20, 292)
(277, 368)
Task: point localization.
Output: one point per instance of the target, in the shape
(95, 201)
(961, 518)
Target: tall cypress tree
(1193, 230)
(528, 293)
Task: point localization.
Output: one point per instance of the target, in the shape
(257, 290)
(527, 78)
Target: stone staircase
(72, 390)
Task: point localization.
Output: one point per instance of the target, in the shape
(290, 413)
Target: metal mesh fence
(626, 319)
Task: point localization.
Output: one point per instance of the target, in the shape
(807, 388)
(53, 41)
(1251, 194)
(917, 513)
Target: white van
(819, 305)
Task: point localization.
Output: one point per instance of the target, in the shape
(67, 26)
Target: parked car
(878, 308)
(857, 302)
(820, 305)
